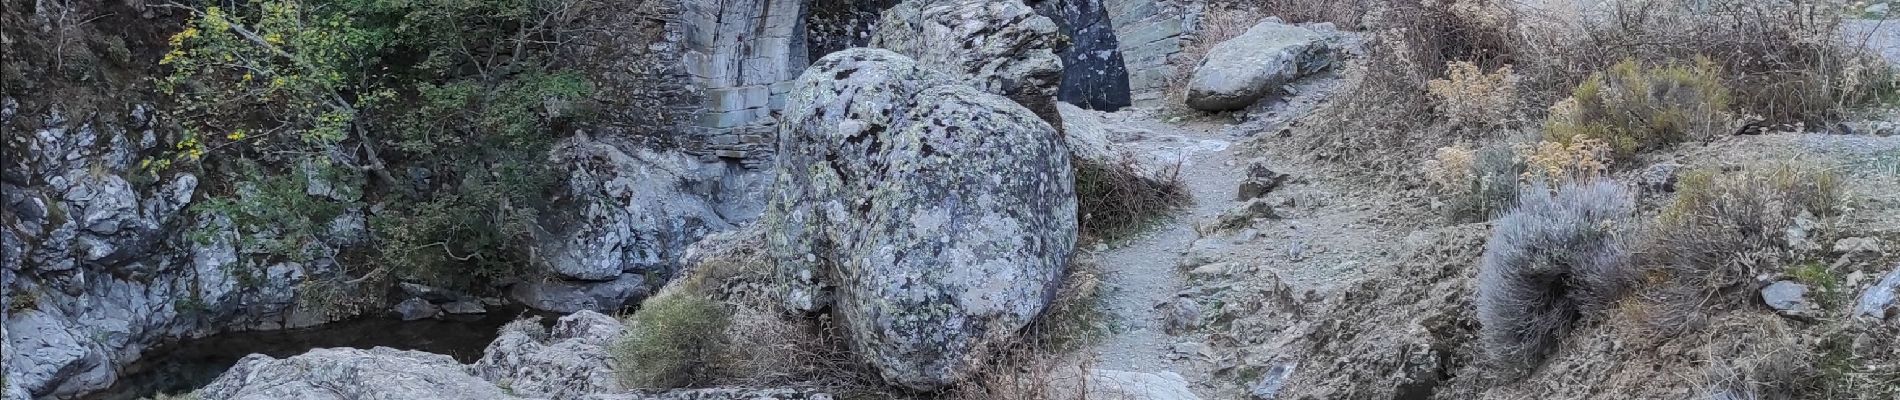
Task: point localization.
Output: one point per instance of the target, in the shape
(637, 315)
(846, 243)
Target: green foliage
(672, 341)
(273, 214)
(464, 91)
(1633, 107)
(1827, 284)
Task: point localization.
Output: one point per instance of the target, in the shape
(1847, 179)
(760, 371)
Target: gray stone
(1259, 181)
(569, 362)
(889, 175)
(1000, 47)
(380, 373)
(464, 307)
(414, 309)
(567, 296)
(1272, 381)
(625, 209)
(1249, 67)
(1882, 300)
(1857, 245)
(1789, 299)
(719, 394)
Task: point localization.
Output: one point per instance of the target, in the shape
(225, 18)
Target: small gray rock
(1857, 245)
(1879, 301)
(1271, 382)
(1789, 299)
(415, 309)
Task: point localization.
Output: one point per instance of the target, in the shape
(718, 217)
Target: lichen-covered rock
(96, 264)
(1242, 70)
(380, 373)
(1001, 47)
(569, 362)
(943, 216)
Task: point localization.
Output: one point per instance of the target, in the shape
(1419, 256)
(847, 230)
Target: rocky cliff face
(103, 260)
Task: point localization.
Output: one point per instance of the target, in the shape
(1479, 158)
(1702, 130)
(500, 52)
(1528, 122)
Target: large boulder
(1001, 47)
(1256, 64)
(343, 373)
(942, 215)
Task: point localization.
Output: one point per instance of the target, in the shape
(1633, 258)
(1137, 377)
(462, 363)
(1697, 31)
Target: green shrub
(445, 108)
(1634, 108)
(674, 340)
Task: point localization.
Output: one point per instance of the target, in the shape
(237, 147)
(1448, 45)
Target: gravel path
(1142, 274)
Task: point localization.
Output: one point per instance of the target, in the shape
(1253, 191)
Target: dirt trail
(1143, 274)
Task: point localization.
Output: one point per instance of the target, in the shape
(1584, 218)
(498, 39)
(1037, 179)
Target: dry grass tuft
(1117, 199)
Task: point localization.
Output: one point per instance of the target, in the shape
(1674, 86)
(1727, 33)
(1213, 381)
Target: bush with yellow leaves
(1472, 98)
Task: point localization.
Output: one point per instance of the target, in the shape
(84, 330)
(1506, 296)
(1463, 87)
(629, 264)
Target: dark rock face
(1093, 75)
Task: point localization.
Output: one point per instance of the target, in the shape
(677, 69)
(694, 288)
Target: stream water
(190, 364)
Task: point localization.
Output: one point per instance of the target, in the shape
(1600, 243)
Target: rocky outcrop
(343, 373)
(943, 216)
(569, 362)
(626, 213)
(1256, 64)
(742, 54)
(1093, 74)
(1151, 35)
(98, 267)
(1001, 47)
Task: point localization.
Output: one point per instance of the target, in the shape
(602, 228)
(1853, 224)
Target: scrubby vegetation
(673, 341)
(1553, 259)
(439, 111)
(1725, 229)
(1696, 68)
(1475, 184)
(1633, 108)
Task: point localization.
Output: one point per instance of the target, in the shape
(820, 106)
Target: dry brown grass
(1117, 199)
(1782, 61)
